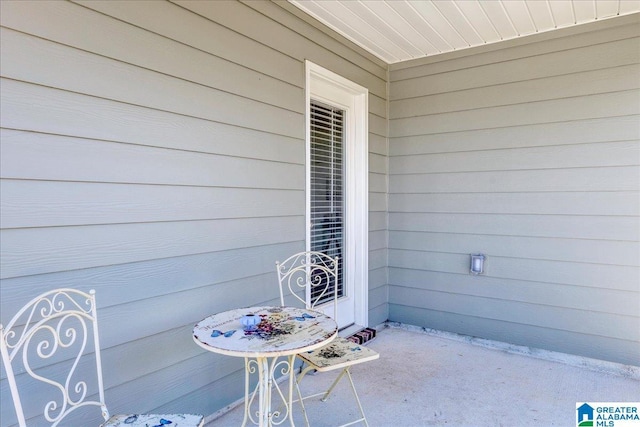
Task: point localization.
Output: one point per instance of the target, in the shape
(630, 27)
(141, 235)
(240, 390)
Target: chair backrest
(315, 273)
(44, 343)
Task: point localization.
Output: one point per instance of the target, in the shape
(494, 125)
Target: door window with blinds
(336, 185)
(327, 185)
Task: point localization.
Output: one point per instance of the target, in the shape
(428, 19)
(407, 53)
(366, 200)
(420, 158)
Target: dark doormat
(363, 336)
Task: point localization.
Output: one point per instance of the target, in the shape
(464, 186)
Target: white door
(337, 208)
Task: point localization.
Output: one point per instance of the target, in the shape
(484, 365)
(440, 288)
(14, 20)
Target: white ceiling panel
(607, 8)
(478, 20)
(628, 6)
(423, 37)
(540, 12)
(585, 11)
(562, 13)
(456, 18)
(519, 14)
(381, 20)
(497, 14)
(421, 25)
(430, 12)
(400, 30)
(367, 33)
(404, 31)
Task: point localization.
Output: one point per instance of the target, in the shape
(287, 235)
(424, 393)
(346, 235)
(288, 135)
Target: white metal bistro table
(281, 331)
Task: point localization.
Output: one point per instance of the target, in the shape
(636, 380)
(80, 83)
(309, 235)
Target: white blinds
(327, 201)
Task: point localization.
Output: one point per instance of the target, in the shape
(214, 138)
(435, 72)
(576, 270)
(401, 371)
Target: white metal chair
(315, 276)
(52, 343)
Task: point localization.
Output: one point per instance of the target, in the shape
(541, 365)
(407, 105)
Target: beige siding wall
(530, 155)
(154, 151)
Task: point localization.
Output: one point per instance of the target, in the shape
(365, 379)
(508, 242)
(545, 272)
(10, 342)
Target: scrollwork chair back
(311, 278)
(58, 327)
(53, 341)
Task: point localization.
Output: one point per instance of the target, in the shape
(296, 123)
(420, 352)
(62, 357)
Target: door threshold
(350, 330)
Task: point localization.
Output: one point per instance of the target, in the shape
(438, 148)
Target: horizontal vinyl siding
(154, 151)
(531, 156)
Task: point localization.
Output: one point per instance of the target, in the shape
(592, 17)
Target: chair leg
(303, 372)
(325, 395)
(333, 385)
(347, 372)
(355, 393)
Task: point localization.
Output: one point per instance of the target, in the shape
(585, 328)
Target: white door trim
(327, 86)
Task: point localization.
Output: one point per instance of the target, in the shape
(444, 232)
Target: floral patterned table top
(281, 331)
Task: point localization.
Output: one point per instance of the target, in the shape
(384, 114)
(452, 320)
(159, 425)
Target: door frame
(325, 86)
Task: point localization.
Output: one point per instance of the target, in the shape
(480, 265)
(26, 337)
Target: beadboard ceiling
(400, 30)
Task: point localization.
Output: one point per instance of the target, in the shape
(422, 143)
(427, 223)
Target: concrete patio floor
(430, 378)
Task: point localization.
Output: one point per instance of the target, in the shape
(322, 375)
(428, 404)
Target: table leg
(268, 370)
(264, 386)
(292, 379)
(250, 367)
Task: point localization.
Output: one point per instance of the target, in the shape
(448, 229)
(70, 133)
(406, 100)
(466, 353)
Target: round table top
(282, 331)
